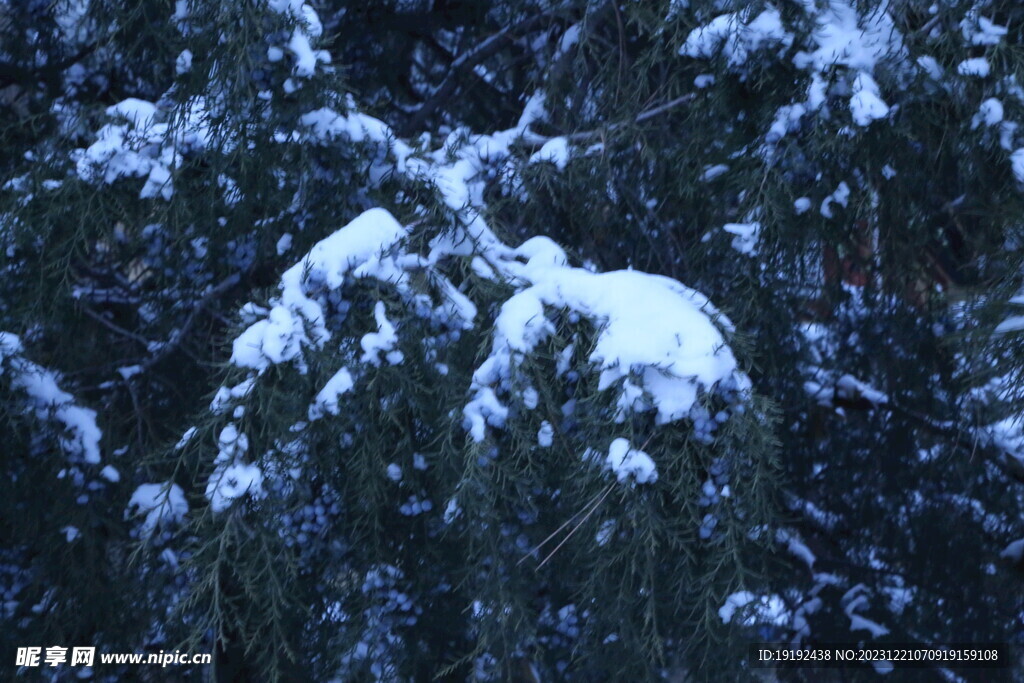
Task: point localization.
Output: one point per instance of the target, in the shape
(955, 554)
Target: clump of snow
(980, 30)
(975, 66)
(545, 435)
(758, 609)
(555, 150)
(841, 196)
(854, 600)
(233, 477)
(712, 172)
(226, 397)
(451, 511)
(381, 341)
(136, 144)
(1014, 551)
(989, 113)
(160, 504)
(183, 64)
(308, 28)
(327, 399)
(650, 325)
(81, 435)
(735, 36)
(185, 438)
(355, 251)
(1017, 164)
(626, 461)
(865, 104)
(746, 236)
(796, 547)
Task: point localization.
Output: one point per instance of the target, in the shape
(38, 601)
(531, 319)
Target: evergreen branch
(536, 140)
(48, 73)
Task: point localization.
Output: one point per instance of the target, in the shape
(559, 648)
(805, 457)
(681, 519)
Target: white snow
(650, 325)
(849, 387)
(989, 113)
(185, 438)
(846, 38)
(234, 481)
(712, 172)
(183, 64)
(626, 461)
(227, 397)
(604, 532)
(854, 600)
(159, 503)
(976, 66)
(354, 251)
(381, 341)
(759, 609)
(233, 477)
(746, 236)
(81, 435)
(530, 398)
(545, 435)
(1014, 551)
(980, 30)
(555, 150)
(865, 104)
(326, 400)
(140, 112)
(1017, 164)
(841, 196)
(736, 37)
(796, 546)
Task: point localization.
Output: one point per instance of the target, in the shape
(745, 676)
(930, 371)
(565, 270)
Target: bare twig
(566, 523)
(532, 138)
(179, 335)
(577, 527)
(465, 63)
(115, 327)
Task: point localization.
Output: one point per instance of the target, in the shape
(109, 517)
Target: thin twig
(115, 327)
(577, 527)
(564, 524)
(532, 138)
(178, 336)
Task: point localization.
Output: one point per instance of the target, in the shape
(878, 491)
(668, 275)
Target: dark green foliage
(873, 471)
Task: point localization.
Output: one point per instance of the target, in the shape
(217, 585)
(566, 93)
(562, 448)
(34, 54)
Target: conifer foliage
(509, 340)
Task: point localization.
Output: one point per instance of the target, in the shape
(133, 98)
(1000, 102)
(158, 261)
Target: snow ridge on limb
(81, 442)
(683, 351)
